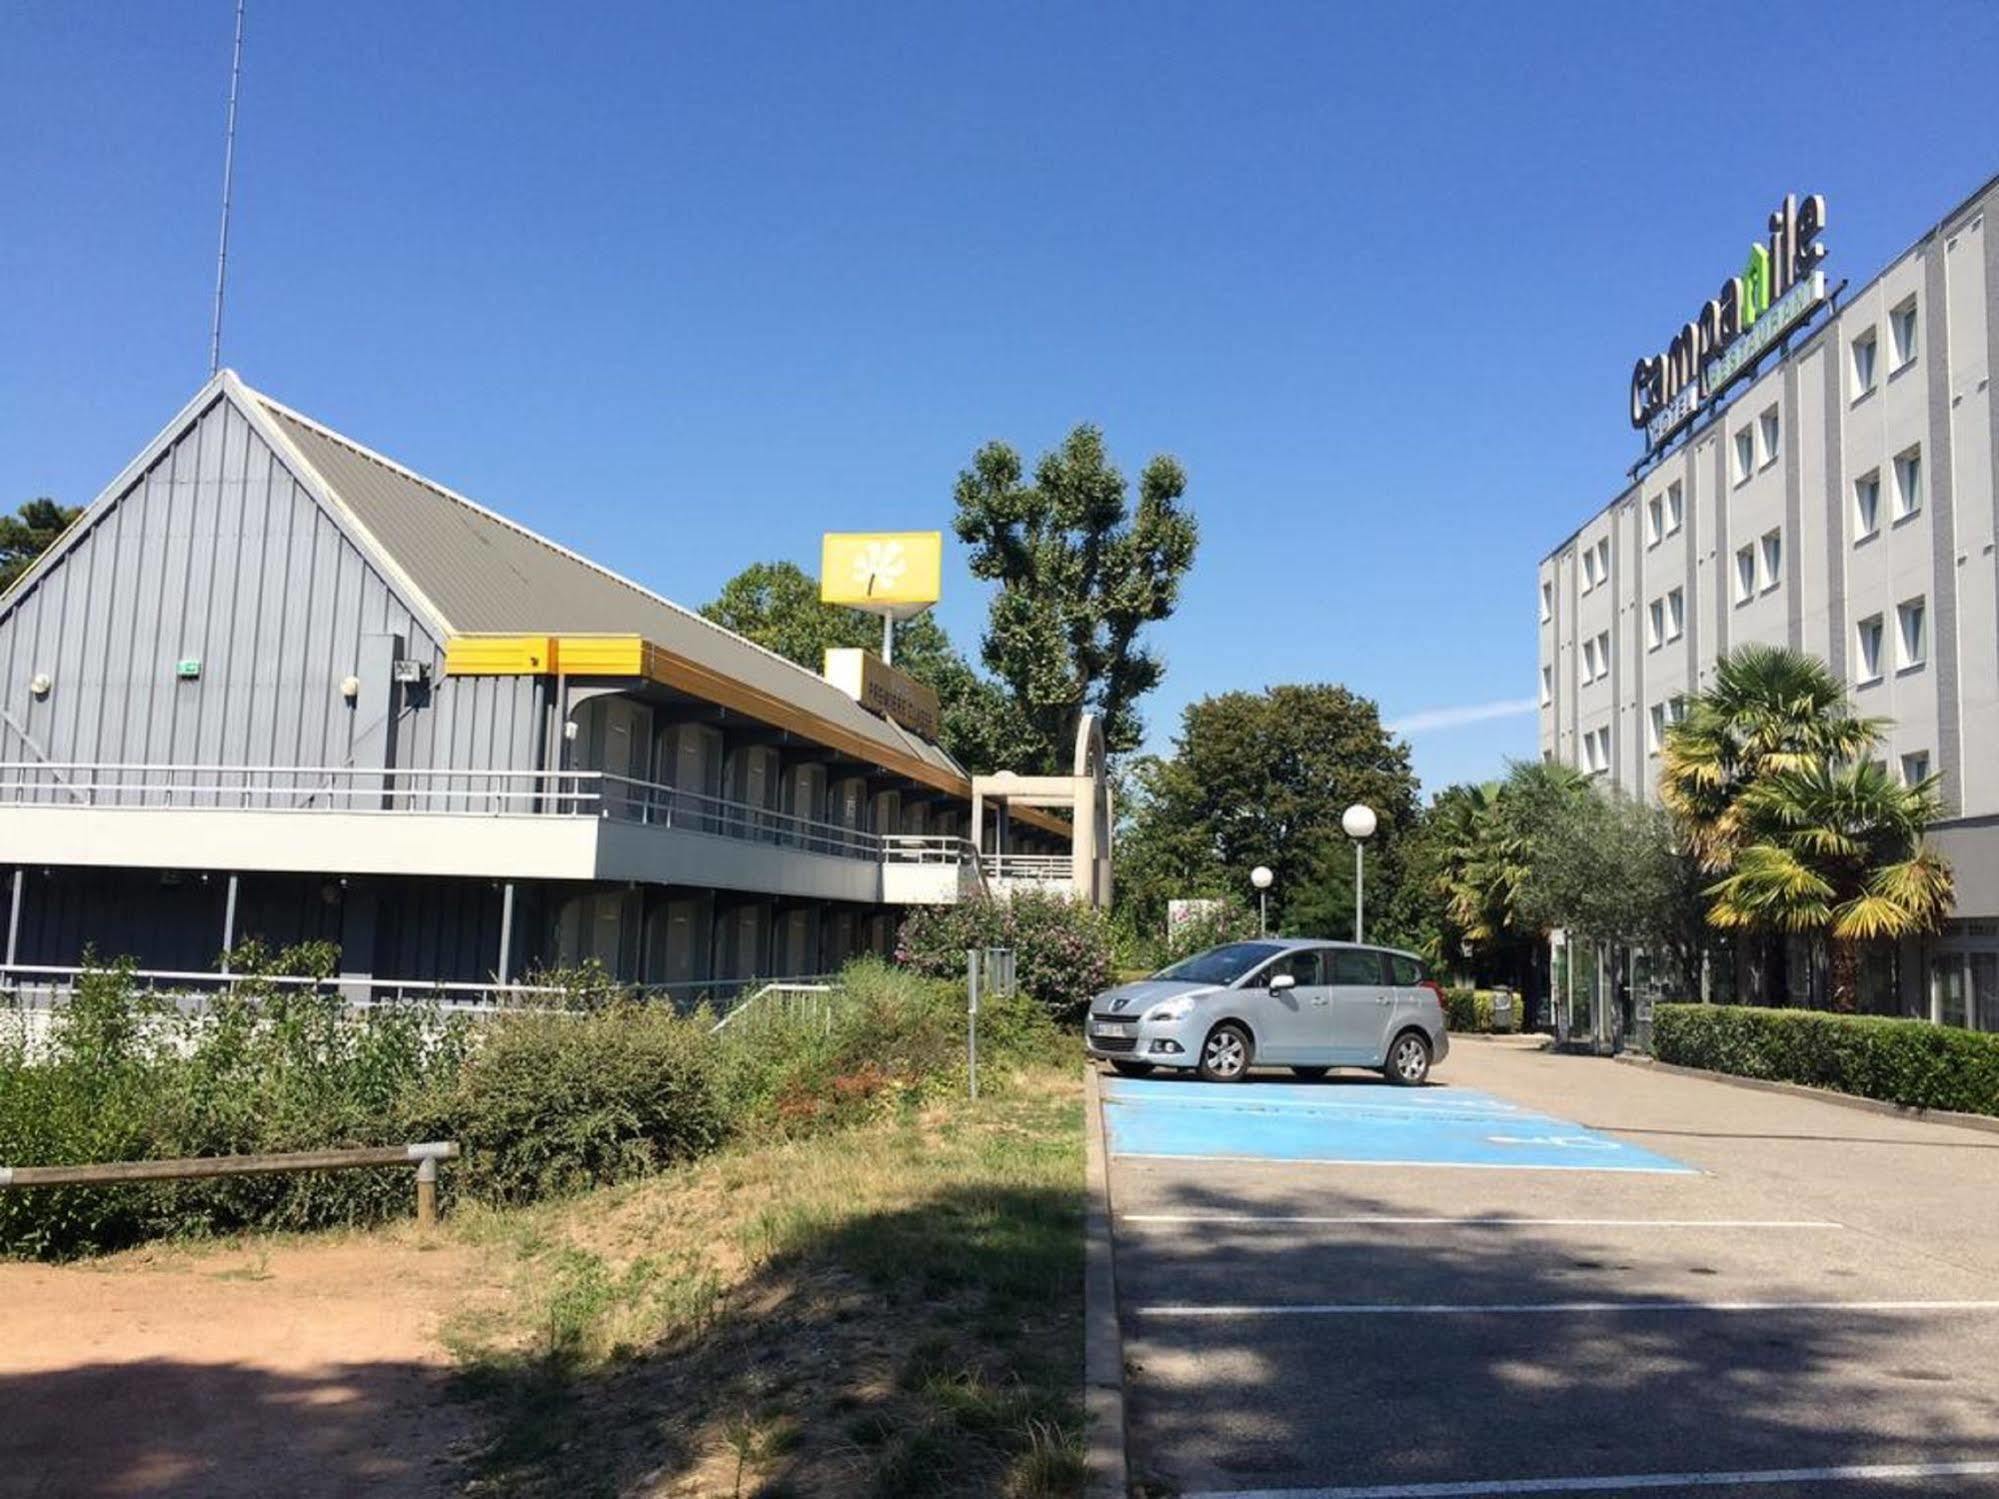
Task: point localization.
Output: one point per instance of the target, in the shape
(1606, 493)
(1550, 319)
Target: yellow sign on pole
(894, 573)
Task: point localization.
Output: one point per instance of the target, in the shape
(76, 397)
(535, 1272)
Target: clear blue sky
(683, 286)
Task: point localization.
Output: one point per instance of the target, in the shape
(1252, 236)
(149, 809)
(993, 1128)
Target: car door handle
(1383, 999)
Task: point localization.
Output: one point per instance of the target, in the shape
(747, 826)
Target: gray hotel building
(1839, 500)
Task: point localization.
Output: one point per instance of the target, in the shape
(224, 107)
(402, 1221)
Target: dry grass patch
(890, 1309)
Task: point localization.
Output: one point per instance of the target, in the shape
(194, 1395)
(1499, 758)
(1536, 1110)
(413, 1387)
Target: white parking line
(1363, 1220)
(1854, 1473)
(1551, 1308)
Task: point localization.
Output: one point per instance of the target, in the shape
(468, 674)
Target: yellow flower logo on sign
(885, 572)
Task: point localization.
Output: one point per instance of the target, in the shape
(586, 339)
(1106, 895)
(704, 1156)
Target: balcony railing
(492, 793)
(567, 793)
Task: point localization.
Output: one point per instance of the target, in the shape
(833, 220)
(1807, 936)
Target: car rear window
(1406, 972)
(1355, 965)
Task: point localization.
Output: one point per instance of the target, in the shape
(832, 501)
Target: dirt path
(309, 1368)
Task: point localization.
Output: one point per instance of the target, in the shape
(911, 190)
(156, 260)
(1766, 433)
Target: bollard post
(974, 962)
(426, 1192)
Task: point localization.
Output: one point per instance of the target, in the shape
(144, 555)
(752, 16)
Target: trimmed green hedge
(1909, 1062)
(1469, 1011)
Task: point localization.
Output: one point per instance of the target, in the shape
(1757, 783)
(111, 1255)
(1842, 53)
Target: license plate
(1115, 1028)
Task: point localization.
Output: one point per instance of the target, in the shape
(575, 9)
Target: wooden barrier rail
(197, 1168)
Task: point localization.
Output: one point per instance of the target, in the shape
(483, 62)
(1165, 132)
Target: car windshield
(1220, 965)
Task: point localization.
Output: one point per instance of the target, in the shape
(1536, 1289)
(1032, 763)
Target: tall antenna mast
(228, 175)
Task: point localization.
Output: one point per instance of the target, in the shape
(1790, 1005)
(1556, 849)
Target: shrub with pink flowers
(1062, 948)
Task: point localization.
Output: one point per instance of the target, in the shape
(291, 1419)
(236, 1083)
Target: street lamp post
(1261, 877)
(1359, 822)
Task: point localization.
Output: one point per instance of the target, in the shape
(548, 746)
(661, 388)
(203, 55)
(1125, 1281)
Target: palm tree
(1770, 710)
(1834, 848)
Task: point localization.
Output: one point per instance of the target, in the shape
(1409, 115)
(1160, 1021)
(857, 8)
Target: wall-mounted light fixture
(40, 684)
(350, 688)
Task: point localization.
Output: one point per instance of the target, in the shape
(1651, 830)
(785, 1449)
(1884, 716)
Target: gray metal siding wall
(218, 553)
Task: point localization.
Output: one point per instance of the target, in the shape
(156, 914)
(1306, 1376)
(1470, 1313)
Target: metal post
(506, 928)
(1358, 892)
(229, 924)
(14, 919)
(426, 1192)
(1263, 913)
(888, 640)
(974, 960)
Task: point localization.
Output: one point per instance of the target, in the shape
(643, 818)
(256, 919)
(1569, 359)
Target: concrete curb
(1103, 1343)
(1979, 1122)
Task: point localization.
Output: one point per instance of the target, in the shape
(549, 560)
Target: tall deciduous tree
(1262, 778)
(777, 605)
(1081, 573)
(29, 532)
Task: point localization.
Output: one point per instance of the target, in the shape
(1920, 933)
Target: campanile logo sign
(1780, 286)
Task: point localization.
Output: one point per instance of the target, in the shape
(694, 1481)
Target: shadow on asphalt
(1280, 1402)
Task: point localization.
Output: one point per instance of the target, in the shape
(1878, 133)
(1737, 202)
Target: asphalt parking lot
(1549, 1275)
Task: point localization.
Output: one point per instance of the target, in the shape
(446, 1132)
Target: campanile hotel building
(1820, 474)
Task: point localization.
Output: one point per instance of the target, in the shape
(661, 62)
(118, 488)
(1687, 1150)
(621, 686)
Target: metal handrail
(787, 990)
(1028, 866)
(391, 789)
(455, 995)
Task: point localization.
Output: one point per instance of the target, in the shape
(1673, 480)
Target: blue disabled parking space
(1355, 1124)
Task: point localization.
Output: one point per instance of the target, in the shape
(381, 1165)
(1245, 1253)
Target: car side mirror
(1279, 982)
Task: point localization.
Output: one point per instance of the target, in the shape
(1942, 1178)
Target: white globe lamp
(1359, 822)
(1263, 879)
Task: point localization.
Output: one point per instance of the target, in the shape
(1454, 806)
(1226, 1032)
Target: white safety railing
(41, 986)
(284, 788)
(789, 1001)
(1028, 866)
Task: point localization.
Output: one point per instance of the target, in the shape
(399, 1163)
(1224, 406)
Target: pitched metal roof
(483, 574)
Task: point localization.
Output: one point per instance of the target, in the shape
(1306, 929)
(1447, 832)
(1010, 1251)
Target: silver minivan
(1276, 1002)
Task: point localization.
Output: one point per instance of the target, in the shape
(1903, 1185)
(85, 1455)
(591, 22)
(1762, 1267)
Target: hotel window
(1603, 653)
(1658, 730)
(1902, 329)
(1547, 685)
(1768, 431)
(1589, 661)
(1864, 349)
(1745, 454)
(1867, 640)
(1673, 507)
(1596, 751)
(1915, 767)
(1655, 519)
(1589, 568)
(1866, 505)
(1547, 602)
(1655, 624)
(1676, 613)
(1773, 558)
(1745, 574)
(1911, 635)
(1909, 483)
(1676, 709)
(1603, 560)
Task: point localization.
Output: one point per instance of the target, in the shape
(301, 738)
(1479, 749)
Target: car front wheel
(1225, 1054)
(1408, 1060)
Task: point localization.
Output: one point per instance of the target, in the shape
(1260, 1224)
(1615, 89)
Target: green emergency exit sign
(188, 667)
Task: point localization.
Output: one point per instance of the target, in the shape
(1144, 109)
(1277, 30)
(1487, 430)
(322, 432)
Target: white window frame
(1655, 624)
(1547, 602)
(1745, 454)
(1745, 573)
(1905, 334)
(1769, 437)
(1869, 636)
(1675, 507)
(1676, 613)
(1770, 558)
(1657, 728)
(1866, 512)
(1908, 482)
(1655, 520)
(1864, 362)
(1912, 634)
(1547, 685)
(1589, 660)
(1920, 771)
(1603, 653)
